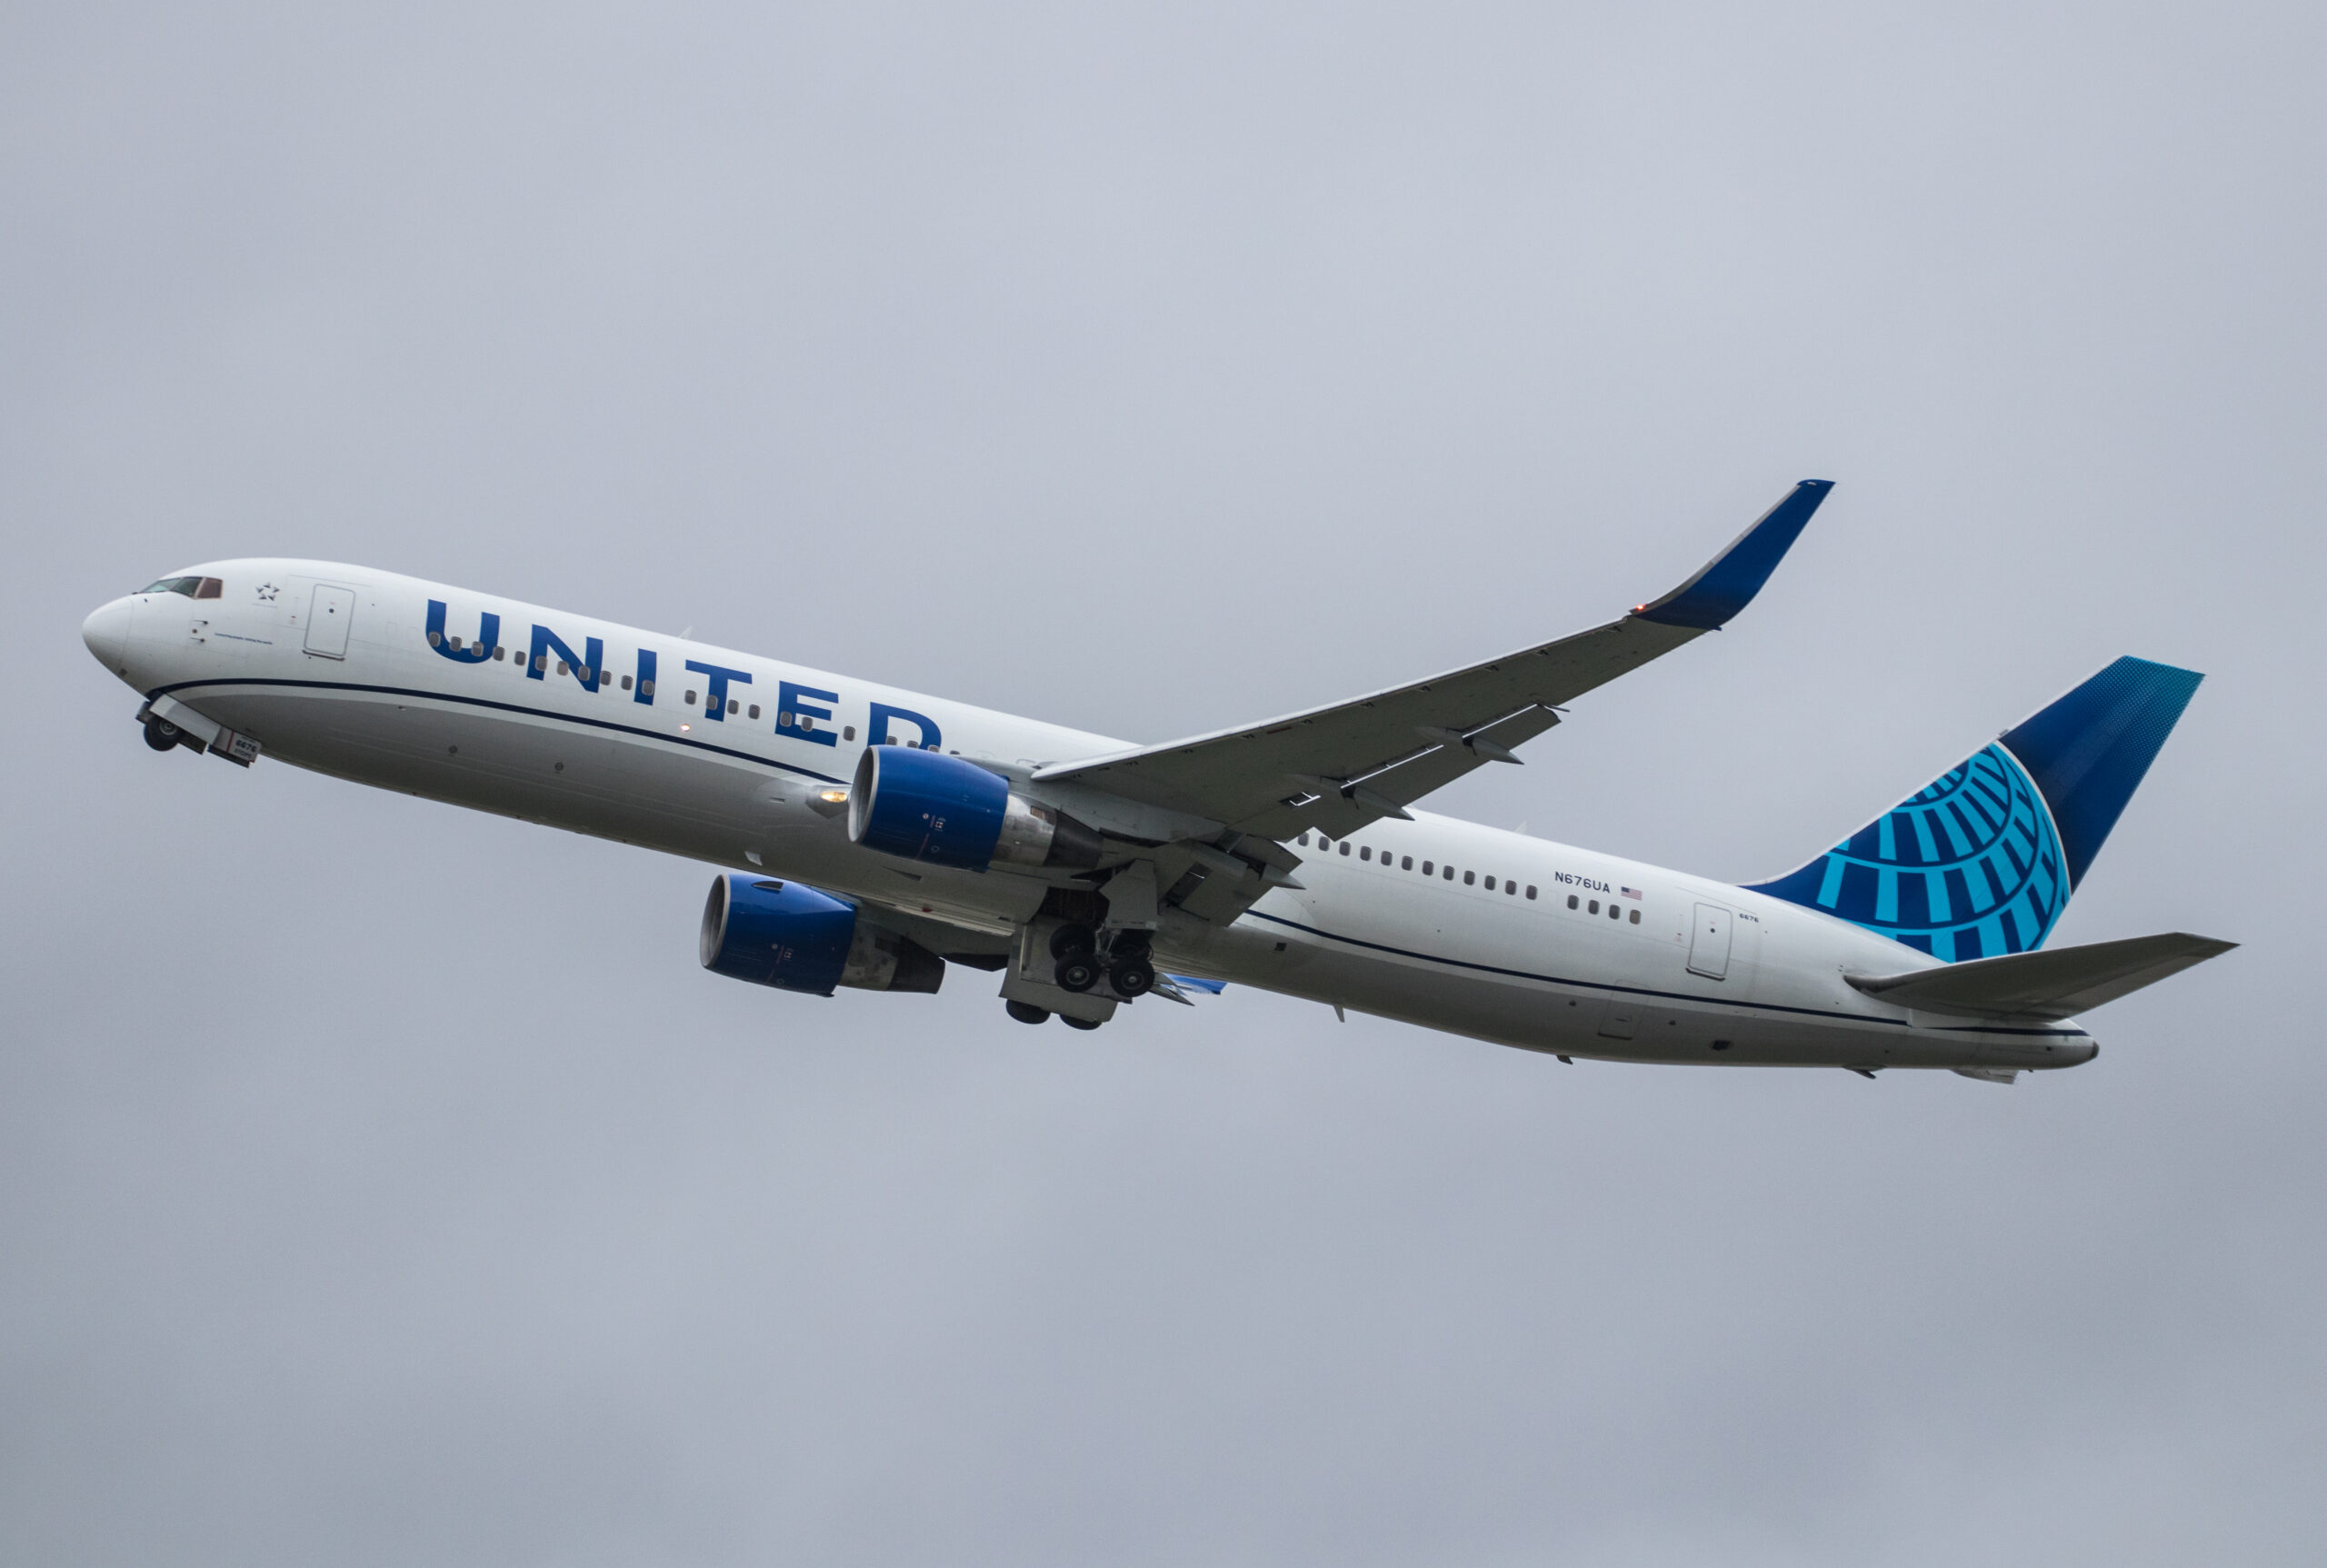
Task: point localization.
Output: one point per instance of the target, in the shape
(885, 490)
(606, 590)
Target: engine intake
(789, 936)
(928, 806)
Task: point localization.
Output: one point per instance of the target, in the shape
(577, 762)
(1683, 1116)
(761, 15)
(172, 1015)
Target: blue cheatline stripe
(501, 707)
(1643, 990)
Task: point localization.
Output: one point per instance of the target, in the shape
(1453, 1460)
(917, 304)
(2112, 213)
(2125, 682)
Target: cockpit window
(192, 587)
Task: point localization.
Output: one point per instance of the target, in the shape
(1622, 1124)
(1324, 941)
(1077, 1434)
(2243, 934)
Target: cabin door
(329, 615)
(1709, 942)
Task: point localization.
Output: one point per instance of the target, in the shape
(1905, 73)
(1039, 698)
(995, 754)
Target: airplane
(875, 839)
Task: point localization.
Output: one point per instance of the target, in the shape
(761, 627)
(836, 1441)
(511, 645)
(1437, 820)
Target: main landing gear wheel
(1131, 977)
(1077, 973)
(1027, 1013)
(1078, 1023)
(163, 735)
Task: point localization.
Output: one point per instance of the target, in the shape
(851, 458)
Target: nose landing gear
(170, 723)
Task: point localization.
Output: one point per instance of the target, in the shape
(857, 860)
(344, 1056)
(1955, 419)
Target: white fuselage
(1572, 952)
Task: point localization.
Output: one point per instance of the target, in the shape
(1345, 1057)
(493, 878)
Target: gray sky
(384, 1184)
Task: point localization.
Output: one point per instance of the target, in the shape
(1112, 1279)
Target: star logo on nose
(268, 590)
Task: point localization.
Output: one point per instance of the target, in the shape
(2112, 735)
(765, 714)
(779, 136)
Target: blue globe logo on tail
(1982, 860)
(1967, 868)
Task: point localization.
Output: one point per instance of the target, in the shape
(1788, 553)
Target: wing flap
(2051, 983)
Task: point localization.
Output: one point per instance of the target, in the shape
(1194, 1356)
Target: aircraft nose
(106, 631)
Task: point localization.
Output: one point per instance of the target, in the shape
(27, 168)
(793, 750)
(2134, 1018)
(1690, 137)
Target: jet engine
(928, 806)
(789, 936)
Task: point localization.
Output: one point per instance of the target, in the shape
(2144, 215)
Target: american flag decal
(1630, 892)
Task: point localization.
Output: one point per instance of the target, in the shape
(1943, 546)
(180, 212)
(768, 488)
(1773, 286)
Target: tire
(163, 735)
(1078, 1023)
(1131, 977)
(1027, 1013)
(1077, 974)
(1073, 941)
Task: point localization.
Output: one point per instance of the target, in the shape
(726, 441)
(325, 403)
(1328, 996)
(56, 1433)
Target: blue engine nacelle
(789, 936)
(928, 806)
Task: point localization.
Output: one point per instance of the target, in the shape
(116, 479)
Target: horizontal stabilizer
(2044, 984)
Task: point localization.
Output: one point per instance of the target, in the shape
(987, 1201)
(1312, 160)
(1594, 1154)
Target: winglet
(1728, 582)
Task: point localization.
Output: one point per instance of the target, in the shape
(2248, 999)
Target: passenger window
(1531, 890)
(1636, 917)
(1470, 878)
(754, 712)
(1570, 900)
(1406, 862)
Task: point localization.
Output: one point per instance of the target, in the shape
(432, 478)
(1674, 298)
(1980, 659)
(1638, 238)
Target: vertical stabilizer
(1982, 860)
(2090, 751)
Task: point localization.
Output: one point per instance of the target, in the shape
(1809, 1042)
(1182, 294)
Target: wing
(1338, 768)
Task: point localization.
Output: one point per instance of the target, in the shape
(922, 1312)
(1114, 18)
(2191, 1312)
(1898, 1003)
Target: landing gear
(163, 735)
(1027, 1013)
(1073, 946)
(1086, 958)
